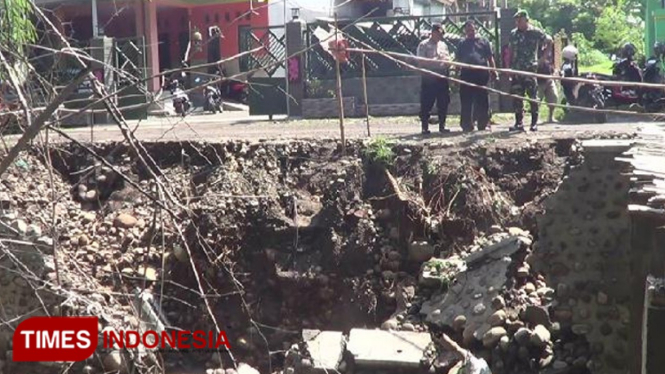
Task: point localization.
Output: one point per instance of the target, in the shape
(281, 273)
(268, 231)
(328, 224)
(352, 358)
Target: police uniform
(524, 46)
(434, 88)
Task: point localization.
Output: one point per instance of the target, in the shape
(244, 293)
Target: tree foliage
(17, 30)
(16, 25)
(602, 25)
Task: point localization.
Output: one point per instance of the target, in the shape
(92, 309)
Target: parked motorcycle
(581, 94)
(234, 89)
(181, 101)
(212, 97)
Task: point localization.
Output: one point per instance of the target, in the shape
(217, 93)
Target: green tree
(616, 26)
(17, 30)
(16, 25)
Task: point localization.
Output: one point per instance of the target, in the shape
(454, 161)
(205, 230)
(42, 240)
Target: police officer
(434, 88)
(525, 43)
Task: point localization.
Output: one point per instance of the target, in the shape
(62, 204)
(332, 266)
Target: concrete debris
(440, 273)
(469, 295)
(325, 349)
(243, 368)
(380, 349)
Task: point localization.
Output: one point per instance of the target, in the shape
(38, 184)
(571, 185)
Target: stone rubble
(494, 293)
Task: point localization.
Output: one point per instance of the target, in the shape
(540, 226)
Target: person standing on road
(474, 50)
(525, 42)
(546, 88)
(434, 88)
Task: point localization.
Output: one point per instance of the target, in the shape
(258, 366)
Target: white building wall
(310, 10)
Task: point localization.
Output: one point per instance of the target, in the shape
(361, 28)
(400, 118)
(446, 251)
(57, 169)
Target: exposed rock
(390, 324)
(523, 336)
(420, 251)
(540, 337)
(498, 303)
(479, 309)
(459, 323)
(602, 298)
(492, 337)
(497, 319)
(523, 271)
(83, 240)
(537, 315)
(115, 361)
(125, 221)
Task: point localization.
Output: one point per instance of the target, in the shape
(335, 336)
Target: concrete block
(325, 349)
(378, 348)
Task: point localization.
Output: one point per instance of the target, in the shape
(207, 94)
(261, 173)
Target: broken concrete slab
(470, 296)
(378, 348)
(325, 349)
(505, 247)
(438, 272)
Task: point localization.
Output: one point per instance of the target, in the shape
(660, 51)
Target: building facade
(164, 26)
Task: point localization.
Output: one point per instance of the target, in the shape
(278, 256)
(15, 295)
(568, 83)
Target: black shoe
(426, 132)
(534, 127)
(517, 127)
(467, 130)
(443, 130)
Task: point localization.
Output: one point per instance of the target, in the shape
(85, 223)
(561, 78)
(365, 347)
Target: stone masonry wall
(384, 94)
(583, 249)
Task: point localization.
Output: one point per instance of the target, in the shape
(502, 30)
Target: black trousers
(434, 89)
(474, 101)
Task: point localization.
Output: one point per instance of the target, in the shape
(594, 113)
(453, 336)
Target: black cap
(437, 27)
(467, 22)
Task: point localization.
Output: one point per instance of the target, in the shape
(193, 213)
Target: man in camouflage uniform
(525, 43)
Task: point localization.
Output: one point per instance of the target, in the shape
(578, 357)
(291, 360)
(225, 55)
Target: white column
(95, 21)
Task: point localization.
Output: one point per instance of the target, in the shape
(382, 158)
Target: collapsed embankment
(264, 240)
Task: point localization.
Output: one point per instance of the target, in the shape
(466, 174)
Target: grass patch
(602, 68)
(380, 151)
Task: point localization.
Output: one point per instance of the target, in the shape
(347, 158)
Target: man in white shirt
(434, 88)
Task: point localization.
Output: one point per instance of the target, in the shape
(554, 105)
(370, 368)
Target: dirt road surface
(241, 127)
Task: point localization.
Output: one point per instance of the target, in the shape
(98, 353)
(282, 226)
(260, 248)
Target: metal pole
(369, 134)
(95, 21)
(340, 99)
(286, 65)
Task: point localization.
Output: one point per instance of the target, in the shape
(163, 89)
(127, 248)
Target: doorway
(164, 52)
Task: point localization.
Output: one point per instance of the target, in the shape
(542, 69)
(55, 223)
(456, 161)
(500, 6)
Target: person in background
(434, 88)
(525, 42)
(474, 50)
(546, 87)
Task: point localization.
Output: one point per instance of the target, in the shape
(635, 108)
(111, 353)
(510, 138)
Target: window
(216, 17)
(227, 17)
(207, 19)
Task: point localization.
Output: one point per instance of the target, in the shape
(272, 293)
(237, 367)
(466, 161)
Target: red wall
(202, 17)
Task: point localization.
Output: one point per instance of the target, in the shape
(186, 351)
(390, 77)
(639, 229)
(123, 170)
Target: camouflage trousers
(526, 87)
